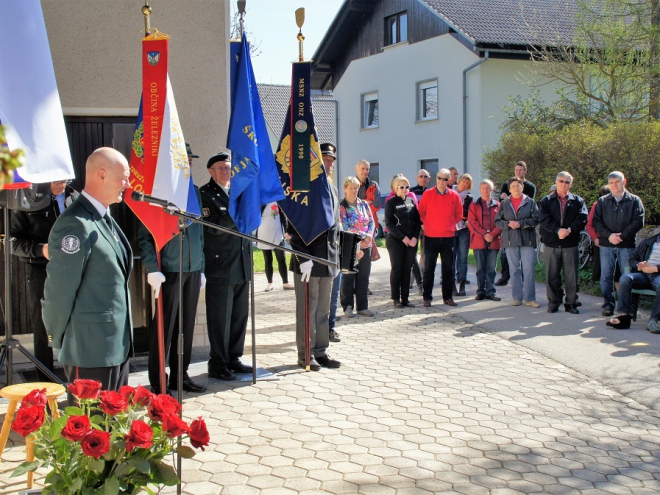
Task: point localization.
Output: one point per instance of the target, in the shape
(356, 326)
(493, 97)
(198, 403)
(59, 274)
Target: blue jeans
(630, 281)
(334, 299)
(523, 287)
(461, 249)
(608, 259)
(486, 270)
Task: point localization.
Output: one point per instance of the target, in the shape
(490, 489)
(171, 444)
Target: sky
(272, 25)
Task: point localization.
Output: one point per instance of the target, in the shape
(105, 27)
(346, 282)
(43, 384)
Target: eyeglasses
(67, 182)
(423, 176)
(404, 187)
(564, 181)
(446, 179)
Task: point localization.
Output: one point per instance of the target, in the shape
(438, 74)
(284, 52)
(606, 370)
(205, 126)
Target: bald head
(107, 175)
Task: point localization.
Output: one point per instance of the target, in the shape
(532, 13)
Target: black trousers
(281, 265)
(169, 291)
(226, 318)
(401, 260)
(556, 260)
(354, 285)
(36, 278)
(111, 377)
(505, 265)
(444, 246)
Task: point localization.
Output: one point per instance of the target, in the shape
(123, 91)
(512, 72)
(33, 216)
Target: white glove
(155, 279)
(306, 270)
(203, 283)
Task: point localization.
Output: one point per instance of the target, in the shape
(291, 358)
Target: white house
(422, 83)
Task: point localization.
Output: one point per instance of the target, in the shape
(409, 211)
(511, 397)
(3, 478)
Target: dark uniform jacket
(87, 302)
(193, 249)
(626, 217)
(227, 256)
(30, 229)
(325, 246)
(527, 215)
(550, 219)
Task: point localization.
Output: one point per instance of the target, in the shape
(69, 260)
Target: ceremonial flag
(254, 180)
(308, 203)
(29, 101)
(159, 162)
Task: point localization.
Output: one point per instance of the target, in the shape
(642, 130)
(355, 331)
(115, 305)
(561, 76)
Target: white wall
(400, 142)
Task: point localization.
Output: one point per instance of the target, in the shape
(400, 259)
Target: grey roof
(275, 101)
(510, 22)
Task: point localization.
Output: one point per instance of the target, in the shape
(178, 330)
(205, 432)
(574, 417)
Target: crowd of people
(78, 267)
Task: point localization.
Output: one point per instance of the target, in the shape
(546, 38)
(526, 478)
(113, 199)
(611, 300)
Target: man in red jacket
(440, 210)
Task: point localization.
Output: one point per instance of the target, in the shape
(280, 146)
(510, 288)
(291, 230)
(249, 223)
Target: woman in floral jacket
(357, 219)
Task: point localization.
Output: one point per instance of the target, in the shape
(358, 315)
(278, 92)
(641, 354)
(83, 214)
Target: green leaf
(96, 419)
(76, 485)
(149, 490)
(73, 411)
(55, 430)
(140, 463)
(111, 486)
(185, 452)
(168, 474)
(97, 465)
(53, 478)
(24, 468)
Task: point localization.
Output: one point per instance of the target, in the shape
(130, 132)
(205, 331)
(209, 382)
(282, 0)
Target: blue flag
(308, 207)
(254, 180)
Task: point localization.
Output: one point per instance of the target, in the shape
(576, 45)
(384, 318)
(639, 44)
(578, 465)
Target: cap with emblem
(223, 156)
(329, 149)
(189, 152)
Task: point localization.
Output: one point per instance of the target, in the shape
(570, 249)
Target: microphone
(138, 196)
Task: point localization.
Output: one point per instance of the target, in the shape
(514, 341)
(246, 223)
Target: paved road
(428, 402)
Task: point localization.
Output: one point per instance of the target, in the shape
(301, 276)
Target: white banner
(29, 100)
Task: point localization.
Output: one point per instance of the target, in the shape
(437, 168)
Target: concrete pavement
(483, 399)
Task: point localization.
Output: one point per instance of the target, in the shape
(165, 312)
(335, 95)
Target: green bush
(589, 153)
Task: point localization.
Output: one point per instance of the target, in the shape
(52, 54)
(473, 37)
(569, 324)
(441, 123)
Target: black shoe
(369, 293)
(334, 336)
(573, 311)
(608, 312)
(501, 282)
(494, 298)
(328, 362)
(467, 282)
(156, 390)
(189, 386)
(313, 364)
(450, 302)
(237, 367)
(552, 310)
(222, 374)
(407, 304)
(454, 291)
(461, 289)
(578, 304)
(480, 297)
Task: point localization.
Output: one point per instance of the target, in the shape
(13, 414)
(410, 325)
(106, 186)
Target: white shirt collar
(99, 207)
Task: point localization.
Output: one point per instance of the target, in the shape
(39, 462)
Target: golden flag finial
(300, 20)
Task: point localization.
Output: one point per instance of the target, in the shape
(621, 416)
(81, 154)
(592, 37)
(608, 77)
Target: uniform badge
(205, 212)
(70, 244)
(153, 57)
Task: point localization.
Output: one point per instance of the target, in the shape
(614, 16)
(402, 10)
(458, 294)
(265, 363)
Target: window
(374, 173)
(396, 28)
(370, 110)
(432, 167)
(427, 100)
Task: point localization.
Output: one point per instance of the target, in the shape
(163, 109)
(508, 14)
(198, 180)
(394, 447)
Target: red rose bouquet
(111, 443)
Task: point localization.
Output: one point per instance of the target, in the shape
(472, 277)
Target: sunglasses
(564, 181)
(423, 176)
(446, 179)
(404, 187)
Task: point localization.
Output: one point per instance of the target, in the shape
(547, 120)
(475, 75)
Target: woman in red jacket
(485, 240)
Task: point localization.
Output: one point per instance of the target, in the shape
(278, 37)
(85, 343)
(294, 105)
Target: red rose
(161, 404)
(142, 397)
(112, 403)
(96, 443)
(85, 389)
(127, 392)
(35, 398)
(76, 428)
(140, 435)
(199, 435)
(28, 419)
(173, 425)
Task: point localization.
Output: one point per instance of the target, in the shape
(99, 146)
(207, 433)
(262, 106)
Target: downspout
(465, 141)
(337, 162)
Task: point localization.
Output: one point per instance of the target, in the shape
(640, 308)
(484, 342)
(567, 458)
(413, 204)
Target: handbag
(375, 255)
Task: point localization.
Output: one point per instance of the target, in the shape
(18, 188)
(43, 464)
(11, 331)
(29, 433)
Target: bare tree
(235, 31)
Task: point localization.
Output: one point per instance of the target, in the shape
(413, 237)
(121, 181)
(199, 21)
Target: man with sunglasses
(562, 216)
(440, 210)
(30, 230)
(423, 179)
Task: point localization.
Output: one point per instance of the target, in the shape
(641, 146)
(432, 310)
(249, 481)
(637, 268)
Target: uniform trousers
(226, 316)
(319, 289)
(169, 292)
(111, 377)
(36, 278)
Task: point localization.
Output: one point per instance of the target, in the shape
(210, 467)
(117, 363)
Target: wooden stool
(15, 394)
